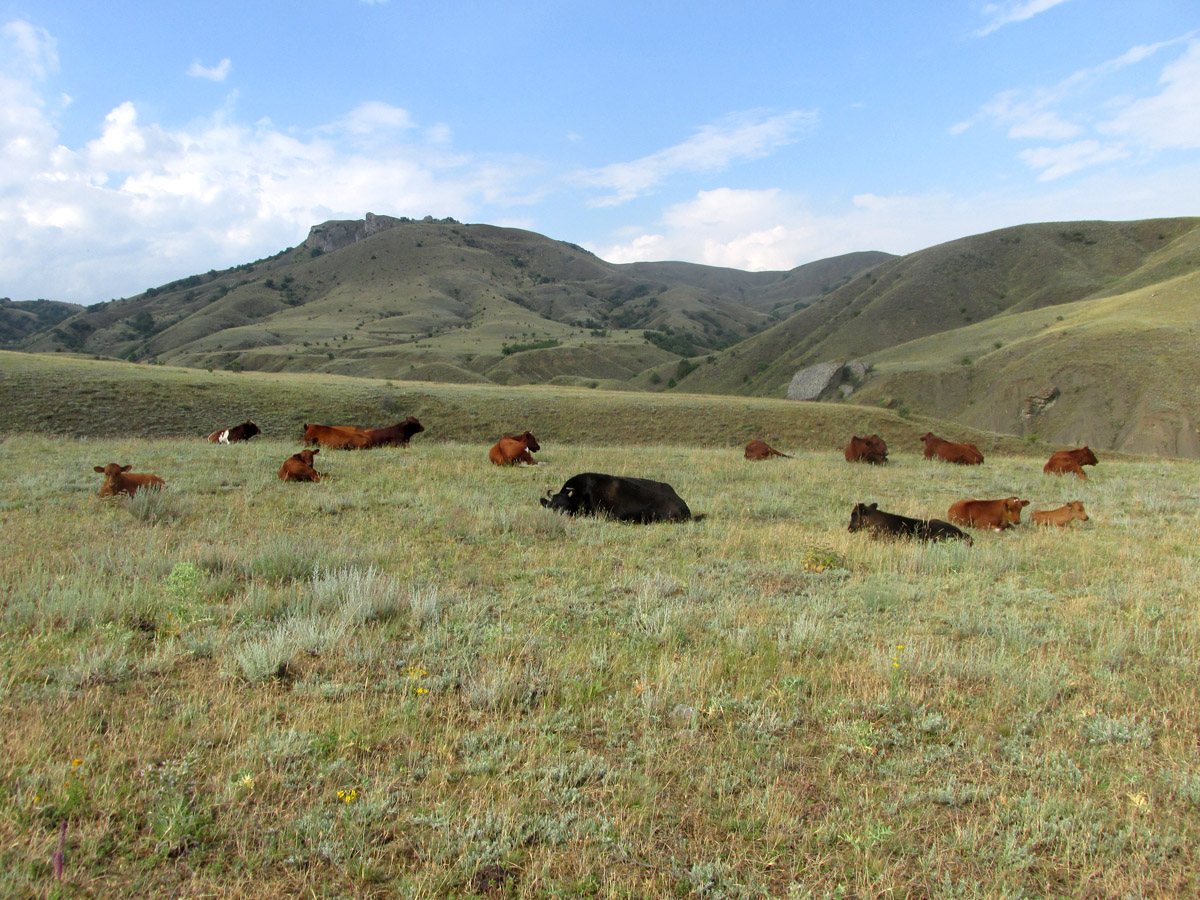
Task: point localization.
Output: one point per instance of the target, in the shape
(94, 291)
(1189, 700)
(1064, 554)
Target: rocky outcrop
(1038, 403)
(827, 379)
(338, 233)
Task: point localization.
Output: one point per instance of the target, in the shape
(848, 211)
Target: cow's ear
(873, 506)
(316, 451)
(99, 469)
(127, 468)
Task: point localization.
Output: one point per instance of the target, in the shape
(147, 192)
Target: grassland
(410, 680)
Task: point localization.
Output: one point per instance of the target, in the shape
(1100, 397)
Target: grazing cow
(511, 450)
(950, 451)
(871, 518)
(762, 450)
(998, 514)
(336, 437)
(624, 498)
(299, 467)
(397, 435)
(870, 449)
(1070, 461)
(233, 435)
(1061, 516)
(119, 480)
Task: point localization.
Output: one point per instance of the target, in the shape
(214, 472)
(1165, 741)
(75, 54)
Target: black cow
(627, 499)
(883, 524)
(233, 435)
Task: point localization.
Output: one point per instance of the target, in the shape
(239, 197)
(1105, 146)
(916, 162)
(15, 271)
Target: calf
(871, 518)
(870, 449)
(233, 435)
(119, 480)
(757, 450)
(951, 451)
(624, 498)
(511, 450)
(998, 514)
(1061, 516)
(336, 437)
(299, 467)
(1070, 462)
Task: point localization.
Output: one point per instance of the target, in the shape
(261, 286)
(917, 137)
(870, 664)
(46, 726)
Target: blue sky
(143, 142)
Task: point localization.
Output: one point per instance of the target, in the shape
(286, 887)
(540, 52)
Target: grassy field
(410, 680)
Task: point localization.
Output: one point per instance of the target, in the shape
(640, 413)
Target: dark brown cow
(119, 480)
(299, 467)
(869, 449)
(998, 514)
(757, 450)
(951, 451)
(879, 524)
(511, 450)
(1062, 516)
(233, 435)
(1070, 461)
(336, 437)
(397, 435)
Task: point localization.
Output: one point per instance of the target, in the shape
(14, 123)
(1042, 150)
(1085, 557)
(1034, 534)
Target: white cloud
(1171, 118)
(34, 52)
(1001, 14)
(711, 149)
(219, 72)
(1055, 162)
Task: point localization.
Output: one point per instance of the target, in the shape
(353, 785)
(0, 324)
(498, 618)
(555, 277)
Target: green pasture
(410, 680)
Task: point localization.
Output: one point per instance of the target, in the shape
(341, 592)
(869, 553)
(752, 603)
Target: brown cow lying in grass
(1062, 516)
(337, 437)
(119, 480)
(299, 467)
(998, 514)
(869, 449)
(951, 451)
(1070, 462)
(513, 449)
(757, 450)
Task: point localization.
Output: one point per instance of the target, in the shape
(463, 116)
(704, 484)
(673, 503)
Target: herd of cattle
(642, 500)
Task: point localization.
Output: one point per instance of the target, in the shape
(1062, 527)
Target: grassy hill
(22, 319)
(404, 299)
(953, 286)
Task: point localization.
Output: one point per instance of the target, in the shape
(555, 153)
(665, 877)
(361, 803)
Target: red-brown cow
(869, 449)
(998, 514)
(1070, 461)
(511, 450)
(757, 450)
(299, 467)
(397, 435)
(951, 451)
(1062, 516)
(119, 480)
(336, 437)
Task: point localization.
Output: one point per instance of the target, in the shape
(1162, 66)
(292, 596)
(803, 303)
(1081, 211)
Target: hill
(437, 299)
(19, 320)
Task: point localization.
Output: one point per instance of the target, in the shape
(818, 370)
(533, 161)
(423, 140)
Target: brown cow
(299, 467)
(757, 450)
(513, 449)
(998, 514)
(1061, 516)
(1070, 461)
(119, 480)
(233, 435)
(336, 437)
(397, 435)
(870, 449)
(950, 451)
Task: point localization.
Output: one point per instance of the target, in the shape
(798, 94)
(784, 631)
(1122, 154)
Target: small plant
(822, 559)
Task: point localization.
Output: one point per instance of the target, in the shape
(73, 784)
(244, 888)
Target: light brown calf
(119, 480)
(1061, 516)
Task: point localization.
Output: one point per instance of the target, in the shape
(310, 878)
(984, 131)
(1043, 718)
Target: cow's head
(1012, 510)
(564, 501)
(306, 456)
(860, 514)
(928, 436)
(531, 442)
(111, 470)
(1076, 508)
(412, 426)
(249, 429)
(1085, 457)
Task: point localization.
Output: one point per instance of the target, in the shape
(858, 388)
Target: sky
(143, 142)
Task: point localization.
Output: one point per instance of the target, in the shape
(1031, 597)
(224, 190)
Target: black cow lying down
(627, 499)
(883, 524)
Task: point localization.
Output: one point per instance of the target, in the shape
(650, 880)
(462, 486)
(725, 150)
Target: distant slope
(1116, 371)
(954, 285)
(403, 299)
(20, 320)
